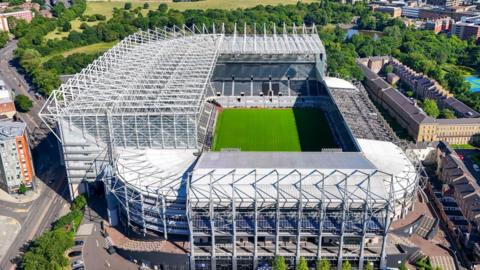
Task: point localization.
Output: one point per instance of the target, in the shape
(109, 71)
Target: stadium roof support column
(255, 232)
(164, 217)
(321, 218)
(277, 216)
(366, 218)
(234, 227)
(342, 229)
(212, 225)
(388, 220)
(190, 226)
(299, 216)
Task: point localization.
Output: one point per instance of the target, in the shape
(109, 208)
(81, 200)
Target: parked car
(75, 253)
(77, 263)
(79, 242)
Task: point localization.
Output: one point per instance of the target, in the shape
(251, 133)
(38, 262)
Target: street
(17, 83)
(36, 216)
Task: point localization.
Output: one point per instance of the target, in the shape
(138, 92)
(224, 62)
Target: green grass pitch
(294, 129)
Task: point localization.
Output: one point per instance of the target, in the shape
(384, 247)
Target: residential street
(17, 83)
(36, 216)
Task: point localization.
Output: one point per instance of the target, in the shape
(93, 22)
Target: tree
(22, 189)
(23, 103)
(146, 6)
(162, 8)
(127, 6)
(388, 69)
(66, 27)
(368, 266)
(4, 38)
(79, 203)
(430, 108)
(447, 114)
(402, 267)
(346, 265)
(302, 264)
(279, 263)
(323, 264)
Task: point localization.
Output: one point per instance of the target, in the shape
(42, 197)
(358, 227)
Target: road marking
(96, 241)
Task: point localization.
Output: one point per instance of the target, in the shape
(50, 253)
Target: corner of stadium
(238, 143)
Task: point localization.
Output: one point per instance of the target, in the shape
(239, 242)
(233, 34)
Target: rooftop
(11, 129)
(165, 71)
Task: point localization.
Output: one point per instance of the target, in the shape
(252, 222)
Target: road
(17, 83)
(39, 214)
(42, 212)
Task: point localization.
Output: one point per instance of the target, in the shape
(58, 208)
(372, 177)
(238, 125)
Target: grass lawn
(106, 7)
(462, 146)
(272, 130)
(89, 49)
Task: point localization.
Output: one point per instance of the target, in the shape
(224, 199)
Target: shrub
(23, 103)
(22, 189)
(322, 264)
(279, 263)
(146, 6)
(127, 6)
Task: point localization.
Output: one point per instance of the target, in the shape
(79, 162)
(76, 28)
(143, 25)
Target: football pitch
(272, 130)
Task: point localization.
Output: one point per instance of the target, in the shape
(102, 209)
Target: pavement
(23, 198)
(9, 228)
(94, 254)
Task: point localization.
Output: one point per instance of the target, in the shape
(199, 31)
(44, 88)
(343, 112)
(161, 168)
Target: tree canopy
(23, 103)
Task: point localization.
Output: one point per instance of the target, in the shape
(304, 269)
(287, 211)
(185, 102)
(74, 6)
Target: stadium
(239, 142)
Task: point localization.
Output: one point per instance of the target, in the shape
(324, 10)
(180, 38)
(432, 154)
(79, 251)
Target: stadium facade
(141, 119)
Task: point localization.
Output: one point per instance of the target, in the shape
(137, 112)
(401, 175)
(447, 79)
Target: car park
(79, 242)
(75, 253)
(77, 263)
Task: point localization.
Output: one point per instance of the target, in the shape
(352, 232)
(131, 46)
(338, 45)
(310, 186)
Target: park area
(294, 129)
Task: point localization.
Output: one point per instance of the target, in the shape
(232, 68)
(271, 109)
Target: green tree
(279, 263)
(430, 108)
(146, 5)
(4, 38)
(22, 189)
(346, 265)
(127, 6)
(368, 266)
(79, 203)
(388, 69)
(302, 264)
(23, 103)
(447, 114)
(402, 267)
(67, 26)
(162, 8)
(323, 264)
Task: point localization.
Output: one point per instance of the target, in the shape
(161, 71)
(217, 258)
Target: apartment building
(16, 166)
(438, 25)
(467, 28)
(405, 111)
